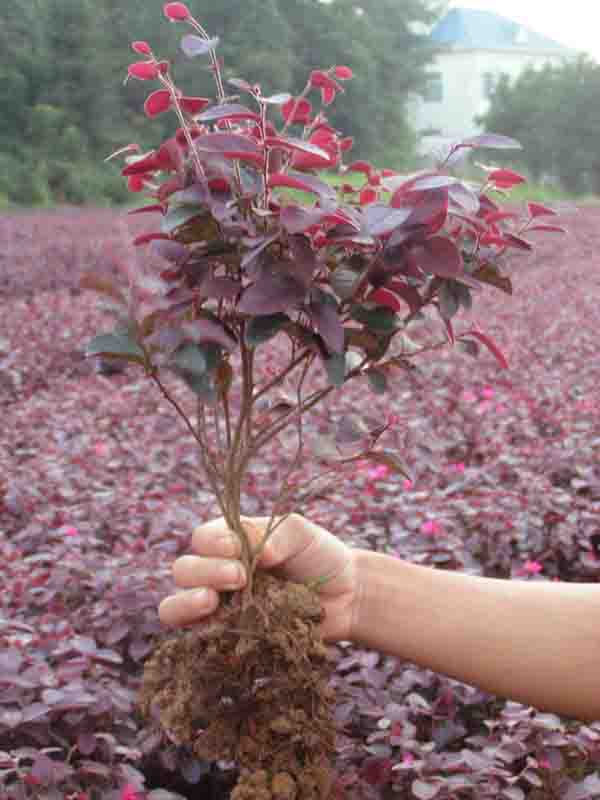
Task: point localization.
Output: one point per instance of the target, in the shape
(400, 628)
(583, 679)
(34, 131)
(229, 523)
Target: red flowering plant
(258, 248)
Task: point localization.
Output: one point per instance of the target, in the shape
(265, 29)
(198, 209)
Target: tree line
(554, 112)
(64, 105)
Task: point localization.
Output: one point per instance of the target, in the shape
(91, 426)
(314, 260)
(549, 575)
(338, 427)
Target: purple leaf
(43, 769)
(425, 791)
(326, 320)
(207, 330)
(84, 644)
(10, 661)
(86, 743)
(35, 711)
(139, 649)
(226, 142)
(221, 288)
(304, 259)
(169, 250)
(296, 219)
(270, 294)
(439, 256)
(493, 140)
(225, 111)
(381, 219)
(193, 45)
(12, 719)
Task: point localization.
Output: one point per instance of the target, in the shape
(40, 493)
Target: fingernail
(200, 597)
(227, 546)
(231, 574)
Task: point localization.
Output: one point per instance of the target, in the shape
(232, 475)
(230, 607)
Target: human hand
(300, 551)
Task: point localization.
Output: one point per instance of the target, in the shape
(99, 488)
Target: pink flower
(531, 568)
(460, 467)
(408, 484)
(432, 527)
(129, 792)
(487, 392)
(71, 531)
(378, 473)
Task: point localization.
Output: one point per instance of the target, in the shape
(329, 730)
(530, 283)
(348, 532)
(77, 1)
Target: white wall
(463, 90)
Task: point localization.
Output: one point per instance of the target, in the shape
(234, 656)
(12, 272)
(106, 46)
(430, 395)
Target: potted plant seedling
(273, 277)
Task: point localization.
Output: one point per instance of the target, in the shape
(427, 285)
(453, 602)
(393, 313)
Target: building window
(434, 91)
(489, 84)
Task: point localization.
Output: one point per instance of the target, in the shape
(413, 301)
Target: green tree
(555, 114)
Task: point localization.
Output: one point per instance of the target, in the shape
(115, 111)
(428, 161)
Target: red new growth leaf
(193, 105)
(343, 73)
(360, 166)
(143, 70)
(135, 183)
(141, 166)
(548, 228)
(538, 210)
(347, 143)
(147, 209)
(157, 103)
(301, 109)
(141, 47)
(490, 344)
(383, 297)
(505, 178)
(149, 237)
(176, 12)
(368, 196)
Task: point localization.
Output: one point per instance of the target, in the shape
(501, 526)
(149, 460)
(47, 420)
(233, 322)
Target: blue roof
(485, 30)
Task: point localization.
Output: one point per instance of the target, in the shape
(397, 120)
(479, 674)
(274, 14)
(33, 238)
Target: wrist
(371, 589)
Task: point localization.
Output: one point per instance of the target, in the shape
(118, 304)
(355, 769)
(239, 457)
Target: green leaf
(344, 282)
(202, 385)
(190, 358)
(449, 299)
(377, 381)
(119, 344)
(262, 328)
(335, 367)
(378, 320)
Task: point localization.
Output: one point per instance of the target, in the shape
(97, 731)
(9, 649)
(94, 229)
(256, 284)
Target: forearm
(536, 643)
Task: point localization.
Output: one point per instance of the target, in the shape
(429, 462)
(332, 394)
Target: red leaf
(346, 144)
(343, 73)
(383, 297)
(368, 196)
(491, 346)
(136, 183)
(440, 256)
(147, 209)
(550, 228)
(538, 210)
(157, 102)
(517, 241)
(176, 12)
(327, 95)
(360, 166)
(321, 80)
(301, 109)
(149, 237)
(505, 178)
(244, 155)
(193, 105)
(141, 47)
(141, 166)
(170, 187)
(143, 70)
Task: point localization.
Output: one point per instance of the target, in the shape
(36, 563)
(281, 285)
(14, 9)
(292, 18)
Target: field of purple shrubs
(100, 489)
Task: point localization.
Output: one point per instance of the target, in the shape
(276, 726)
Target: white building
(478, 46)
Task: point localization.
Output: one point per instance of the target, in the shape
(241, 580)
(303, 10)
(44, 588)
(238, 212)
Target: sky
(575, 23)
